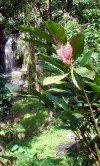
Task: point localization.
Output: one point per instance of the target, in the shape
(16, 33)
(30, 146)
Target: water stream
(10, 53)
(10, 63)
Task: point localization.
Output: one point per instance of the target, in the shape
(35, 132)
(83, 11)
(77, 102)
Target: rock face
(19, 75)
(2, 48)
(70, 148)
(17, 79)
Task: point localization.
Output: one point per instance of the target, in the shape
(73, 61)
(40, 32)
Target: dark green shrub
(5, 99)
(91, 28)
(92, 37)
(91, 15)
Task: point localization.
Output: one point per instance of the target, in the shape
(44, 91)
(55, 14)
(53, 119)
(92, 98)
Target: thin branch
(93, 116)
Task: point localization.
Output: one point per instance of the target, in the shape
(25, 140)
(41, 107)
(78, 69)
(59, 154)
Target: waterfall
(14, 74)
(9, 53)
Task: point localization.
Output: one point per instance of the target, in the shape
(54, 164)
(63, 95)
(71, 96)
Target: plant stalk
(93, 116)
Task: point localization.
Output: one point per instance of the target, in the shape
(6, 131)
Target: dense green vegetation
(33, 138)
(5, 99)
(59, 42)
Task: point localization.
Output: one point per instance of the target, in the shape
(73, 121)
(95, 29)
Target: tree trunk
(69, 5)
(31, 68)
(33, 74)
(2, 48)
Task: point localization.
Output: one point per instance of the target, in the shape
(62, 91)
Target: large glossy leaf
(60, 92)
(41, 44)
(57, 31)
(77, 43)
(94, 86)
(74, 79)
(37, 32)
(84, 72)
(54, 61)
(86, 58)
(53, 79)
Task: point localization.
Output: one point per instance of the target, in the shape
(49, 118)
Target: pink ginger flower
(65, 53)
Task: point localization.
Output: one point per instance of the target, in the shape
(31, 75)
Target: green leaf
(97, 79)
(82, 112)
(74, 78)
(60, 92)
(77, 43)
(54, 61)
(84, 72)
(95, 87)
(37, 32)
(56, 90)
(2, 133)
(57, 30)
(14, 148)
(41, 44)
(53, 79)
(59, 102)
(85, 58)
(91, 66)
(35, 93)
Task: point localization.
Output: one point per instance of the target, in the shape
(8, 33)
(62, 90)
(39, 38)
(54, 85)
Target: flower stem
(93, 116)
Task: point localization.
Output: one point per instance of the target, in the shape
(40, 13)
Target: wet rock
(16, 76)
(69, 148)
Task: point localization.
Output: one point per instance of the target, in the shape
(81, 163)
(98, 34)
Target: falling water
(10, 64)
(9, 54)
(13, 72)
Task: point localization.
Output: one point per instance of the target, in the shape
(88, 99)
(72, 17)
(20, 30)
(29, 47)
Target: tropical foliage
(58, 43)
(74, 93)
(5, 99)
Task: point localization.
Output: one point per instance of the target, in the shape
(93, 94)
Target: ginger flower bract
(65, 52)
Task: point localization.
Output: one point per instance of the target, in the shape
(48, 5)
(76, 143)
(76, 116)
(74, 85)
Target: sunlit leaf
(95, 87)
(53, 79)
(14, 148)
(97, 79)
(74, 79)
(84, 72)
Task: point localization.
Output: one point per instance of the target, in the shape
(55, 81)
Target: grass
(38, 148)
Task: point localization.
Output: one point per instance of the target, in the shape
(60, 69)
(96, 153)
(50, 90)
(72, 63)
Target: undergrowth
(35, 145)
